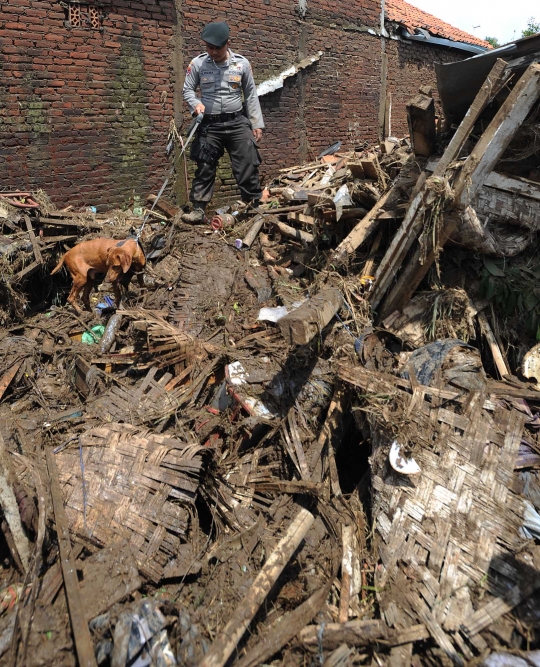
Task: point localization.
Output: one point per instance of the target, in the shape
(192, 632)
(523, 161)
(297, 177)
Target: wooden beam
(421, 120)
(476, 169)
(302, 324)
(500, 132)
(412, 224)
(79, 625)
(361, 231)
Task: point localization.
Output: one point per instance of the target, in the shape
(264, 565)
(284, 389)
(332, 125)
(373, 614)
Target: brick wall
(410, 65)
(85, 113)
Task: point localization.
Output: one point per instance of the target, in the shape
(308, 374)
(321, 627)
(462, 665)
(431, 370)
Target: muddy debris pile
(312, 437)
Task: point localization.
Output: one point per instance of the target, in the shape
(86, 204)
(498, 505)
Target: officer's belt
(221, 117)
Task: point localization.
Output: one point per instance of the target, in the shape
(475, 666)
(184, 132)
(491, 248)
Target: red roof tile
(411, 17)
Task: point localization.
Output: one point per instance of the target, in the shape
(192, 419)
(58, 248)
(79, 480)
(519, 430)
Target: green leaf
(493, 268)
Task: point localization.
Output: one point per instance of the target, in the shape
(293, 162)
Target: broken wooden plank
(472, 176)
(79, 624)
(353, 633)
(26, 272)
(8, 377)
(347, 534)
(163, 205)
(361, 232)
(421, 120)
(289, 625)
(498, 358)
(297, 216)
(58, 222)
(496, 138)
(412, 223)
(10, 510)
(225, 643)
(302, 324)
(33, 240)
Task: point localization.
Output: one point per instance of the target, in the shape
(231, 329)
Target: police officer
(223, 76)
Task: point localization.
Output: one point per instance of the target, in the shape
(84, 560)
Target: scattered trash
(94, 335)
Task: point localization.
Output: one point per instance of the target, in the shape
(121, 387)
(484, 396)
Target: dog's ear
(125, 260)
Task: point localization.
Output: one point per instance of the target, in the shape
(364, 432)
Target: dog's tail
(59, 265)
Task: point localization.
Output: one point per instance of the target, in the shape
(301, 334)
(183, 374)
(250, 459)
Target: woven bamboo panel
(438, 531)
(137, 486)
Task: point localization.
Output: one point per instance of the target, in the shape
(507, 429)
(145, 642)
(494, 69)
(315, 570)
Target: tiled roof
(411, 18)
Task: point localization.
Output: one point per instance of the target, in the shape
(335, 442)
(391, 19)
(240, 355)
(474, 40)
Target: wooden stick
(10, 509)
(354, 633)
(495, 350)
(254, 230)
(79, 625)
(361, 231)
(347, 532)
(33, 240)
(227, 640)
(8, 376)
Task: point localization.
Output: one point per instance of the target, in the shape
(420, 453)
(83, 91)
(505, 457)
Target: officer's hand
(257, 134)
(199, 109)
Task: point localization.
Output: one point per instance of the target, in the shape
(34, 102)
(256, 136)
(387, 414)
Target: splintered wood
(439, 532)
(136, 486)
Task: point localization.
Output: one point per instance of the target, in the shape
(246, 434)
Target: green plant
(513, 289)
(493, 41)
(533, 28)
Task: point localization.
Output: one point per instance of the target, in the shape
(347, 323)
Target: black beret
(215, 33)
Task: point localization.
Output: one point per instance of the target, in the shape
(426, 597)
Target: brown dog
(118, 259)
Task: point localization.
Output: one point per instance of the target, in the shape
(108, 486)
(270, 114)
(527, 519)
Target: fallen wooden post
(412, 224)
(291, 232)
(302, 324)
(258, 222)
(473, 175)
(227, 640)
(79, 625)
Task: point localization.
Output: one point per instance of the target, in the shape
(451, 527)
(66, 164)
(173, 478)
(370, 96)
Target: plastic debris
(140, 638)
(342, 198)
(97, 333)
(399, 463)
(109, 334)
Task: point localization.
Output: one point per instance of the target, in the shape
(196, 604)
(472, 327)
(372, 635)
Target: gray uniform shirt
(222, 85)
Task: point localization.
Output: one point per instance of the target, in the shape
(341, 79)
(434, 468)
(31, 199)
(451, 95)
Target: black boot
(196, 216)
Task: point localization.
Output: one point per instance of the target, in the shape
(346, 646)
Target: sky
(484, 18)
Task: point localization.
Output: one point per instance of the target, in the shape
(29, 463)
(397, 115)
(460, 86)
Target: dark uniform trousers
(209, 146)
